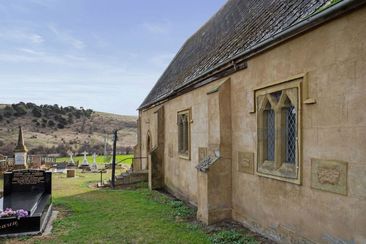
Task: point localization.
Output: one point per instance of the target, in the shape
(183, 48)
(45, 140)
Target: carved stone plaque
(329, 175)
(202, 153)
(246, 162)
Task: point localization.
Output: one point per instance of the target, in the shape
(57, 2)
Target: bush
(31, 105)
(8, 111)
(36, 112)
(20, 108)
(51, 123)
(60, 126)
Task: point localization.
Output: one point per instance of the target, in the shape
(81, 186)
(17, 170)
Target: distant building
(260, 118)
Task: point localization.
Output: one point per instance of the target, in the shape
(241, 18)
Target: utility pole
(114, 158)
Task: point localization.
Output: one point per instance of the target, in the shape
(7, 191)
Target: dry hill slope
(54, 129)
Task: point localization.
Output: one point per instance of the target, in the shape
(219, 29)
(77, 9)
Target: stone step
(131, 178)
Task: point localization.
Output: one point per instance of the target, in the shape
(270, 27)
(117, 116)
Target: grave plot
(26, 204)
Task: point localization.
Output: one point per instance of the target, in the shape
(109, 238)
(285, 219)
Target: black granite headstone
(29, 190)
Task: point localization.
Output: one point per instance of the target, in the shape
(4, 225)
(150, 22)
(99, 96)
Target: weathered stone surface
(329, 175)
(332, 128)
(246, 162)
(170, 150)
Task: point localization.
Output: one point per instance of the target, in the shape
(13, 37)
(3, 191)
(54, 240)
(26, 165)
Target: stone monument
(94, 166)
(71, 160)
(20, 152)
(85, 160)
(27, 203)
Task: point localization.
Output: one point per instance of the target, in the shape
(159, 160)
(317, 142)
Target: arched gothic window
(277, 136)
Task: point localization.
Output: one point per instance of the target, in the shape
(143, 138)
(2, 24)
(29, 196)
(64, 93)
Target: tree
(37, 112)
(51, 123)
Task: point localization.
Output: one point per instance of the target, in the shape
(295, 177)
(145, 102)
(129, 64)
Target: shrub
(20, 108)
(36, 112)
(51, 123)
(60, 126)
(8, 111)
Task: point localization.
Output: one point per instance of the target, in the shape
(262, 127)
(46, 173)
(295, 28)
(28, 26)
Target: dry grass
(93, 131)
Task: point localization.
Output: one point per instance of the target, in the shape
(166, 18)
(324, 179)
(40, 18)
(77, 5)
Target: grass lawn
(100, 159)
(89, 215)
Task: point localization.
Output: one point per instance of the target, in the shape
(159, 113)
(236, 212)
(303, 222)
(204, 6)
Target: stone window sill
(286, 171)
(185, 156)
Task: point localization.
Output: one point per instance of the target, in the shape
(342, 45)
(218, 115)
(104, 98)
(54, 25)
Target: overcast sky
(100, 54)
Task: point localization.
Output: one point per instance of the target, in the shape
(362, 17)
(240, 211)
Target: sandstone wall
(333, 60)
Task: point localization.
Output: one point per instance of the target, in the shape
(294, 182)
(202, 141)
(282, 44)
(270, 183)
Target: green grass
(99, 159)
(113, 216)
(89, 215)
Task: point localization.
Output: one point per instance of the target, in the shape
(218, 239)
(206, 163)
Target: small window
(277, 136)
(183, 121)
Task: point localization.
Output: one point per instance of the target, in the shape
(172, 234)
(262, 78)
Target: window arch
(277, 136)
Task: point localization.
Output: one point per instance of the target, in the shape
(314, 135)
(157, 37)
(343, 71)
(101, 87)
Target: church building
(259, 118)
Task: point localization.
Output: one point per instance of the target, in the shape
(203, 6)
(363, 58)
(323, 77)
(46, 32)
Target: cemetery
(67, 191)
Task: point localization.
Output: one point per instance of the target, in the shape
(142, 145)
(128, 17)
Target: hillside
(54, 129)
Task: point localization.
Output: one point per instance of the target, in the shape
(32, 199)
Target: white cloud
(157, 27)
(66, 37)
(23, 36)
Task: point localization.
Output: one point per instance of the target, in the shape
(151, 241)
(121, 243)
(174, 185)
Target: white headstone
(85, 160)
(94, 166)
(71, 160)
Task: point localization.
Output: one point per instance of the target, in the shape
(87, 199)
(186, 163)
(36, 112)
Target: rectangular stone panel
(246, 162)
(329, 175)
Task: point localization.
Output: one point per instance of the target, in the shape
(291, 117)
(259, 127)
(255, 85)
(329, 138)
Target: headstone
(85, 160)
(94, 166)
(20, 152)
(70, 173)
(26, 205)
(71, 160)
